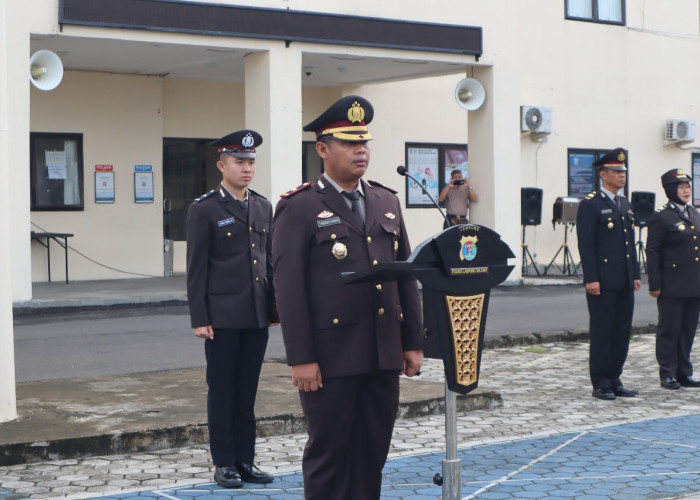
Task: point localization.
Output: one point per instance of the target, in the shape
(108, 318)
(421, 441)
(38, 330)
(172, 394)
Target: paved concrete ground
(549, 439)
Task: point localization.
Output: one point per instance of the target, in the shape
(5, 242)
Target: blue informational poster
(581, 174)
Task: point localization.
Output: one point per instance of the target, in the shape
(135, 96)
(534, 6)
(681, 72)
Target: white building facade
(116, 152)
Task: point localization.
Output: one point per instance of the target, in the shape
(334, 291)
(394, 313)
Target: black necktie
(355, 207)
(617, 202)
(243, 204)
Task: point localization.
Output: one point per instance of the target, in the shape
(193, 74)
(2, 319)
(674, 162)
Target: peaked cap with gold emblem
(612, 160)
(675, 176)
(345, 120)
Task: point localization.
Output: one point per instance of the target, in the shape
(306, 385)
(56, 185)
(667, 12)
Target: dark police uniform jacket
(606, 242)
(349, 329)
(673, 252)
(228, 260)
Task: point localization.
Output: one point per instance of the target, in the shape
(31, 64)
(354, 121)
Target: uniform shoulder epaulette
(378, 184)
(205, 196)
(257, 194)
(295, 190)
(662, 208)
(591, 195)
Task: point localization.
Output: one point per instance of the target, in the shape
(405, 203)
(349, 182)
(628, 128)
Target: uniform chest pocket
(331, 234)
(231, 230)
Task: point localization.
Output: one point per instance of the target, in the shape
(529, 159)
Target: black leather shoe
(670, 383)
(621, 392)
(688, 382)
(227, 477)
(251, 474)
(605, 394)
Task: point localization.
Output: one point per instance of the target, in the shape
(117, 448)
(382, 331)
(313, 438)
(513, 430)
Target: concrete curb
(195, 434)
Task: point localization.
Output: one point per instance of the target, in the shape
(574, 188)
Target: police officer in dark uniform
(346, 343)
(604, 226)
(228, 290)
(673, 259)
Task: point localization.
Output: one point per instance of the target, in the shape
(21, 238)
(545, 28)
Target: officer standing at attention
(604, 226)
(346, 343)
(228, 292)
(673, 257)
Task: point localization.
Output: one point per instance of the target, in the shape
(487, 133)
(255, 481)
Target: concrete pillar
(8, 399)
(494, 158)
(273, 108)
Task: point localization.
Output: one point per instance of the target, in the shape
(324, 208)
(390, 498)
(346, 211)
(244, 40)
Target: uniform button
(605, 260)
(255, 261)
(257, 278)
(369, 239)
(335, 321)
(378, 286)
(334, 236)
(401, 316)
(692, 227)
(264, 230)
(375, 262)
(695, 237)
(250, 228)
(696, 248)
(228, 234)
(381, 311)
(252, 245)
(697, 259)
(628, 256)
(394, 232)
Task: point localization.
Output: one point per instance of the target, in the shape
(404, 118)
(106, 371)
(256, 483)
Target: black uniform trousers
(610, 326)
(234, 359)
(678, 320)
(349, 421)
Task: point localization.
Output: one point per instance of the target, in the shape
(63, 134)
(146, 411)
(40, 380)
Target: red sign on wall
(104, 168)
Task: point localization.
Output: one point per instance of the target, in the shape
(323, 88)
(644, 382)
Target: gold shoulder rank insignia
(205, 196)
(295, 190)
(325, 214)
(591, 195)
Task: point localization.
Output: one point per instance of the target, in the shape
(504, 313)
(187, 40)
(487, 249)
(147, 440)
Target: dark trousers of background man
(678, 320)
(609, 330)
(234, 359)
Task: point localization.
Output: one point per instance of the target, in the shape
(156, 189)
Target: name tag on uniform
(328, 222)
(606, 211)
(226, 222)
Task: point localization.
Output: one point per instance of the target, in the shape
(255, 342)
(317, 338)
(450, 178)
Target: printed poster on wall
(56, 164)
(104, 187)
(423, 164)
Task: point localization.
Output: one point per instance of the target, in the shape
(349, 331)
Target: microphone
(404, 171)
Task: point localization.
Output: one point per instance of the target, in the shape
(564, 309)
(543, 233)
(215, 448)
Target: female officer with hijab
(673, 260)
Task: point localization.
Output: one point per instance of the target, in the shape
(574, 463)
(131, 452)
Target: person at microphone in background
(674, 279)
(457, 195)
(347, 344)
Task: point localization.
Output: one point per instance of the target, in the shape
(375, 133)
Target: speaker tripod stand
(641, 250)
(568, 266)
(527, 258)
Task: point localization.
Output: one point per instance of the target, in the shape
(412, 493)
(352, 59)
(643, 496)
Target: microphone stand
(404, 171)
(450, 479)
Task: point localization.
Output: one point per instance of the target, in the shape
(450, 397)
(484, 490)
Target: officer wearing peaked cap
(604, 226)
(347, 344)
(673, 258)
(228, 291)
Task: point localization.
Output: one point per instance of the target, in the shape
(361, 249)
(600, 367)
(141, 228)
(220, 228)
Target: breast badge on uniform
(339, 250)
(610, 223)
(325, 214)
(226, 222)
(396, 245)
(390, 216)
(468, 251)
(680, 226)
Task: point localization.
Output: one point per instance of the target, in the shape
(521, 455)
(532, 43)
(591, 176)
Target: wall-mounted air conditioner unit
(680, 130)
(536, 119)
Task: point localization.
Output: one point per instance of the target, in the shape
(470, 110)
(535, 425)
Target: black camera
(458, 182)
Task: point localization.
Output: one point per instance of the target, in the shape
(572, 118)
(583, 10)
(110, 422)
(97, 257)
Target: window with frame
(597, 11)
(56, 171)
(432, 164)
(582, 176)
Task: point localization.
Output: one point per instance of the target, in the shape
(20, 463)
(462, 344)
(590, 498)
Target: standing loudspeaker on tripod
(530, 206)
(643, 206)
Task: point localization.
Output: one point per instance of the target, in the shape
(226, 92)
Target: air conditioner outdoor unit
(681, 130)
(536, 119)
